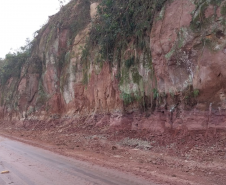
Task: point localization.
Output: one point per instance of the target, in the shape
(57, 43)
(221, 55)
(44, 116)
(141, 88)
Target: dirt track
(30, 165)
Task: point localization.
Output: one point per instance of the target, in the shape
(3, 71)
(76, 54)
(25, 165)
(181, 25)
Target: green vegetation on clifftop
(12, 64)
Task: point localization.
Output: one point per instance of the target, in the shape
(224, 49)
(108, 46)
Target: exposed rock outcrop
(174, 76)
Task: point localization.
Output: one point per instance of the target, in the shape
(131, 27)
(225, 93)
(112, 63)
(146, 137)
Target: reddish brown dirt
(28, 165)
(175, 157)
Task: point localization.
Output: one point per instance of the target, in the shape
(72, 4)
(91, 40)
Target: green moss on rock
(136, 76)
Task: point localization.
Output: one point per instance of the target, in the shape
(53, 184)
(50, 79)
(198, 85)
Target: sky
(19, 19)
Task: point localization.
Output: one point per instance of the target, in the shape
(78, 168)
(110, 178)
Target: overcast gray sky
(19, 19)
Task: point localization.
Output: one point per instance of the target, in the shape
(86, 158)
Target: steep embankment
(134, 56)
(154, 70)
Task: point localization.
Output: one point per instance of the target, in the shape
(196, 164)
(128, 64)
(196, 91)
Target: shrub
(127, 98)
(196, 93)
(129, 62)
(118, 21)
(223, 10)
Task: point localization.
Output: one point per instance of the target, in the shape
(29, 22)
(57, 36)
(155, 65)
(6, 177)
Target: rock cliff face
(176, 75)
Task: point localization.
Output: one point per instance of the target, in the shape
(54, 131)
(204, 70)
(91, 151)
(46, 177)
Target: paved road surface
(30, 165)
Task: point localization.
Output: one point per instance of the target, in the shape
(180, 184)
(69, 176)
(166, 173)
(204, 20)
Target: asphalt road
(30, 165)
